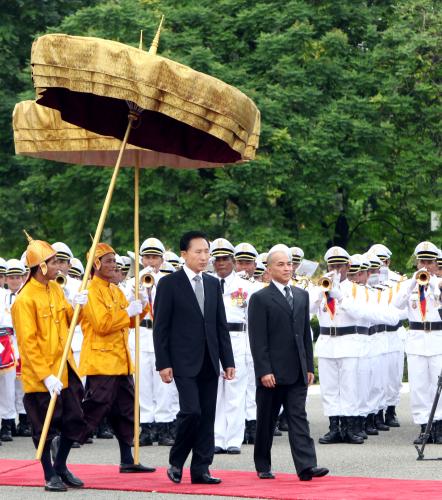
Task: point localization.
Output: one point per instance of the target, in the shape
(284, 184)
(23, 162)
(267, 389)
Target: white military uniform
(11, 389)
(423, 343)
(230, 408)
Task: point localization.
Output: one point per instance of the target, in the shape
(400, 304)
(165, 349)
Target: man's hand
(53, 384)
(229, 374)
(166, 375)
(268, 381)
(134, 308)
(310, 378)
(80, 298)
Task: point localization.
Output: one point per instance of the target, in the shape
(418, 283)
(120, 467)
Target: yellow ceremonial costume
(105, 326)
(41, 317)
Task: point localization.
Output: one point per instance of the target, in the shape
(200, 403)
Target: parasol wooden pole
(104, 211)
(137, 317)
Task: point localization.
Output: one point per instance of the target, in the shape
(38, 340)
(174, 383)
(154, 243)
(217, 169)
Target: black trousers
(68, 414)
(268, 402)
(110, 396)
(196, 419)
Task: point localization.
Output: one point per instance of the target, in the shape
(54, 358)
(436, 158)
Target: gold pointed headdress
(38, 252)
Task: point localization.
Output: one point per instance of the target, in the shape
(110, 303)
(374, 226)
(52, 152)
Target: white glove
(80, 298)
(144, 296)
(53, 384)
(134, 308)
(413, 281)
(434, 285)
(335, 291)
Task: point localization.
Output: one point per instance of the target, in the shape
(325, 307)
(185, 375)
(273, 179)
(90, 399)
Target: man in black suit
(191, 337)
(281, 343)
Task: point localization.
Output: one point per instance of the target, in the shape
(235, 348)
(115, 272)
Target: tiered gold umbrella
(171, 114)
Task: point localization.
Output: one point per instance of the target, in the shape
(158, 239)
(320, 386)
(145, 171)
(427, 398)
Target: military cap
(15, 267)
(172, 258)
(355, 264)
(63, 251)
(381, 251)
(2, 266)
(167, 268)
(297, 254)
(337, 255)
(245, 251)
(374, 261)
(77, 269)
(260, 268)
(152, 246)
(263, 258)
(126, 263)
(221, 248)
(426, 251)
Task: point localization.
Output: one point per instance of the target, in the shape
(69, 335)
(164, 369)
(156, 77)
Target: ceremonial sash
(331, 305)
(422, 301)
(7, 358)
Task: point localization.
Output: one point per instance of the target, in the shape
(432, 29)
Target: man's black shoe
(175, 474)
(218, 450)
(134, 468)
(276, 431)
(311, 472)
(55, 484)
(233, 450)
(391, 419)
(205, 478)
(266, 475)
(76, 444)
(70, 480)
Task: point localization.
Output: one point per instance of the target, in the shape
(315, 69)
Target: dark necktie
(288, 296)
(222, 285)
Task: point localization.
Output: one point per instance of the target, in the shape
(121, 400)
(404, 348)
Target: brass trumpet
(423, 277)
(325, 283)
(61, 280)
(147, 280)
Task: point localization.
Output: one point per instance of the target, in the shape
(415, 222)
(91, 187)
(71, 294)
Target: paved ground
(389, 455)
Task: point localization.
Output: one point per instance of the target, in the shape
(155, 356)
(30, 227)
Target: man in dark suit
(281, 343)
(191, 337)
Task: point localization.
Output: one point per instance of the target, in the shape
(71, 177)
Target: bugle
(326, 283)
(61, 280)
(423, 277)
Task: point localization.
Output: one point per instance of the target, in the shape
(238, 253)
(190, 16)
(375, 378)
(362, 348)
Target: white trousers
(376, 384)
(158, 401)
(423, 373)
(11, 395)
(231, 397)
(364, 383)
(339, 386)
(251, 389)
(395, 373)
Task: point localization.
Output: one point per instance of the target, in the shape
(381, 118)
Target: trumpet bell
(325, 283)
(423, 278)
(61, 280)
(147, 280)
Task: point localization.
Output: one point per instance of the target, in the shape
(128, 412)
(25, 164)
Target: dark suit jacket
(280, 338)
(180, 332)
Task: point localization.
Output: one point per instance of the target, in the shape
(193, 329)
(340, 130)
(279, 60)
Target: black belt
(147, 323)
(393, 328)
(426, 325)
(6, 331)
(377, 329)
(336, 331)
(236, 327)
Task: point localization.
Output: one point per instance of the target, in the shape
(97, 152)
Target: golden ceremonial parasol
(184, 118)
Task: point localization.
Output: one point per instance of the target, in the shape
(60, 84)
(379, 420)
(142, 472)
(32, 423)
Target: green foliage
(350, 153)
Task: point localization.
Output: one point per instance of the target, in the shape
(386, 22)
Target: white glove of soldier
(134, 308)
(53, 384)
(144, 296)
(413, 281)
(335, 291)
(80, 298)
(433, 285)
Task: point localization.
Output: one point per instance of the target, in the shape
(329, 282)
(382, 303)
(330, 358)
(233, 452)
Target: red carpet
(235, 483)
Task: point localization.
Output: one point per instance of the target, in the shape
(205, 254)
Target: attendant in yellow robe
(41, 317)
(105, 356)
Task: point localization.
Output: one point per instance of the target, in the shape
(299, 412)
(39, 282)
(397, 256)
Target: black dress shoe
(55, 484)
(233, 450)
(175, 474)
(70, 480)
(205, 478)
(76, 444)
(311, 472)
(266, 475)
(134, 468)
(219, 451)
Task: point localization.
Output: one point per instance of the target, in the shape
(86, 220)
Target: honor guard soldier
(245, 256)
(41, 316)
(342, 341)
(105, 357)
(2, 272)
(420, 297)
(230, 405)
(173, 259)
(11, 389)
(158, 401)
(259, 270)
(125, 268)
